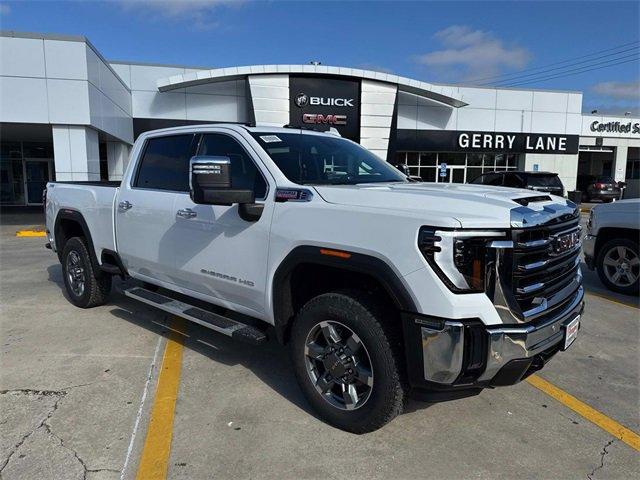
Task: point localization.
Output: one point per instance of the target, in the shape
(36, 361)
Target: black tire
(365, 317)
(96, 285)
(607, 249)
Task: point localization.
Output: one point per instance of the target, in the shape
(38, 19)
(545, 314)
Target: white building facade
(68, 114)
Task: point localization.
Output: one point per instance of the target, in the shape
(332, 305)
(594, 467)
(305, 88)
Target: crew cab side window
(244, 173)
(165, 163)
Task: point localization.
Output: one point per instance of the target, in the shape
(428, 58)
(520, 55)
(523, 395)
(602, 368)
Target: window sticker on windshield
(270, 138)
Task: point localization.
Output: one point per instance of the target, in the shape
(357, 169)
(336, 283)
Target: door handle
(124, 206)
(186, 213)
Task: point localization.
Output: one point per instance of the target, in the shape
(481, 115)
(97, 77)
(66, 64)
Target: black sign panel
(505, 142)
(321, 103)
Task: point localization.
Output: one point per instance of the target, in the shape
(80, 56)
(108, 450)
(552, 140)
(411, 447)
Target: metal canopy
(439, 93)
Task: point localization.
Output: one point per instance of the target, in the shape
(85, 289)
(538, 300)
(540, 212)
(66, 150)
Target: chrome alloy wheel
(338, 365)
(621, 266)
(75, 273)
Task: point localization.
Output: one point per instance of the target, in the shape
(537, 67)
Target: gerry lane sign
(470, 141)
(517, 142)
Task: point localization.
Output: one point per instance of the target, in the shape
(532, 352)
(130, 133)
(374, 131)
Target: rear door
(217, 253)
(145, 221)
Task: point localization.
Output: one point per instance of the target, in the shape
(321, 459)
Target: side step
(231, 328)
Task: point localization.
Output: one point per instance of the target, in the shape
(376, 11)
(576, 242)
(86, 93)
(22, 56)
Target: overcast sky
(446, 42)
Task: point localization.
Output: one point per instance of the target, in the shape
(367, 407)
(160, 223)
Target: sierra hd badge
(301, 100)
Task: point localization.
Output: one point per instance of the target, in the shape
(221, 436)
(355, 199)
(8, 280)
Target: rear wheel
(618, 265)
(347, 361)
(86, 287)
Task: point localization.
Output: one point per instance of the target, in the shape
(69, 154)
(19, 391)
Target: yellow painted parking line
(609, 425)
(157, 445)
(31, 233)
(614, 300)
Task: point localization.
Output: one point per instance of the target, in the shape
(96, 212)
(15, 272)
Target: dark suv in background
(598, 188)
(547, 182)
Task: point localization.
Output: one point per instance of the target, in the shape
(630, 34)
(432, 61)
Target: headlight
(460, 258)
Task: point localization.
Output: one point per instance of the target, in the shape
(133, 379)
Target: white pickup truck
(382, 287)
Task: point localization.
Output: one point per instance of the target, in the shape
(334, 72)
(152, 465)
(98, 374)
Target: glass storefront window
(452, 158)
(428, 174)
(474, 159)
(37, 150)
(473, 172)
(412, 158)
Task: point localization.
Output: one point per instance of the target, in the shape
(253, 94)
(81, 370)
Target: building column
(117, 159)
(269, 99)
(376, 115)
(620, 163)
(76, 153)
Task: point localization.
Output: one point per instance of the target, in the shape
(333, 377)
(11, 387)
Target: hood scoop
(525, 201)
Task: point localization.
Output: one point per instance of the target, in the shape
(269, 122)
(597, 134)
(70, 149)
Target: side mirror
(622, 184)
(210, 182)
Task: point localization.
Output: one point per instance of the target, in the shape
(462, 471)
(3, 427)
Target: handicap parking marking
(599, 419)
(157, 445)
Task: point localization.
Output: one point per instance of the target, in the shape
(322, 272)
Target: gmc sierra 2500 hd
(381, 286)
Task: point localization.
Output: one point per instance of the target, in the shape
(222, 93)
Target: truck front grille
(545, 267)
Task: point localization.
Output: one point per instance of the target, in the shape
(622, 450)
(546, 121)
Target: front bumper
(589, 250)
(464, 355)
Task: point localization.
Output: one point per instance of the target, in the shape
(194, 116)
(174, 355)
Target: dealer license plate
(571, 331)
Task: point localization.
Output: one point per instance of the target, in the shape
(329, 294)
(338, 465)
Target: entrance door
(453, 174)
(37, 174)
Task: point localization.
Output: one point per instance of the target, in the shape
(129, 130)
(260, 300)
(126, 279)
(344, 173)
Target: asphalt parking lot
(88, 394)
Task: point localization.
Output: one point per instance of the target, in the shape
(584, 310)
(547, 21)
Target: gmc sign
(320, 119)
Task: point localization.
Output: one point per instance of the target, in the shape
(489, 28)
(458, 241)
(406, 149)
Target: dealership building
(66, 113)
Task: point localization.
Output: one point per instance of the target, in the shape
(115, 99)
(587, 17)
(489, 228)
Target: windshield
(543, 181)
(324, 160)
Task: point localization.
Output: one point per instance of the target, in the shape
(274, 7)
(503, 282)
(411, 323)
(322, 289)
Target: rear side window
(165, 163)
(244, 173)
(544, 181)
(513, 180)
(489, 179)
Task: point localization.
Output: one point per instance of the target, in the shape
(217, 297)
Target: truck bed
(93, 200)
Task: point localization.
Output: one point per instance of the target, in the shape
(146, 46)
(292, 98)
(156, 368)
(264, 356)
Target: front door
(145, 224)
(217, 253)
(37, 174)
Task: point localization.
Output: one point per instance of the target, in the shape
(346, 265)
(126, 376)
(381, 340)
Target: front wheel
(86, 288)
(618, 265)
(347, 361)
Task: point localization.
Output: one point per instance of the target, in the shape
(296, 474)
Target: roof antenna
(315, 62)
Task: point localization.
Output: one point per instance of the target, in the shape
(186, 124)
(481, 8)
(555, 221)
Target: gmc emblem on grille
(563, 243)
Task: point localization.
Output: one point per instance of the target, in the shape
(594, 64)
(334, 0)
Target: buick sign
(301, 100)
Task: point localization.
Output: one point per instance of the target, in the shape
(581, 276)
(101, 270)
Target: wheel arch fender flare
(374, 267)
(76, 217)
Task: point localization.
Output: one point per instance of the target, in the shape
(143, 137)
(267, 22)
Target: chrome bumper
(589, 249)
(443, 349)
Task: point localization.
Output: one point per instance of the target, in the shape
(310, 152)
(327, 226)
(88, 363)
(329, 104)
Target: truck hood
(473, 206)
